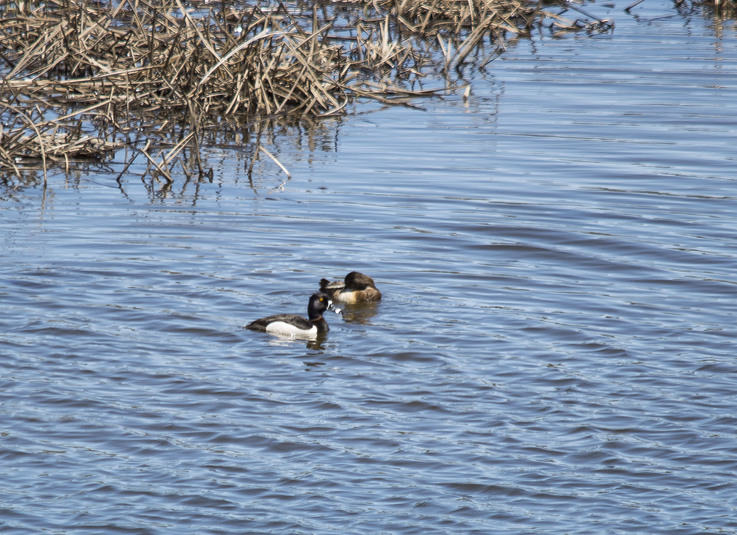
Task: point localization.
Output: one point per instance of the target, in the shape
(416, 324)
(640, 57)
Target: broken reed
(116, 66)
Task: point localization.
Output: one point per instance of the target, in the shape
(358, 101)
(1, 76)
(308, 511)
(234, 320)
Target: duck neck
(320, 323)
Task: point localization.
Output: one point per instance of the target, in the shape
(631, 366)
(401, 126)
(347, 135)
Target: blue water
(554, 352)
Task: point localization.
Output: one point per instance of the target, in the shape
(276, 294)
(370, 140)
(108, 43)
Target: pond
(554, 351)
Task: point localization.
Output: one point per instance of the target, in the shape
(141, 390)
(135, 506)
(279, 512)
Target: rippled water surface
(555, 351)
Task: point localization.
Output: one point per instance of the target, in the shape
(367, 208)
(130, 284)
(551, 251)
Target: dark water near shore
(555, 352)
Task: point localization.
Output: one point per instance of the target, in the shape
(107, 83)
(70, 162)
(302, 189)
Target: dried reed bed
(78, 77)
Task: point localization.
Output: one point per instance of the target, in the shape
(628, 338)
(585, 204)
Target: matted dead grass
(78, 75)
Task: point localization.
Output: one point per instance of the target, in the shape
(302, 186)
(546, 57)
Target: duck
(356, 288)
(295, 326)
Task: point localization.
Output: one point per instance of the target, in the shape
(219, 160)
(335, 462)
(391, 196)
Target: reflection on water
(361, 313)
(281, 340)
(556, 335)
(233, 152)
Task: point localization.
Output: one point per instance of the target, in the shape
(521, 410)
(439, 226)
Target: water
(554, 352)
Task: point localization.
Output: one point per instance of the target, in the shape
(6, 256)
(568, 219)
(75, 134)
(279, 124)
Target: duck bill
(335, 309)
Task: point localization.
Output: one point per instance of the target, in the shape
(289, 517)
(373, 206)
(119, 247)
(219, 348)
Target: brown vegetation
(78, 76)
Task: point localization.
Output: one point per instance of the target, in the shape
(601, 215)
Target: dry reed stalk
(276, 161)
